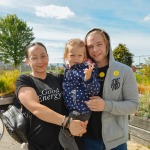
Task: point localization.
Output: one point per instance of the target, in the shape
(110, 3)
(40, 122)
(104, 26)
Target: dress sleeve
(92, 85)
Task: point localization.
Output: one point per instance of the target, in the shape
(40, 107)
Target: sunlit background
(56, 21)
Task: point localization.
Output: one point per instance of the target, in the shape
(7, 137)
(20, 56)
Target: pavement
(7, 143)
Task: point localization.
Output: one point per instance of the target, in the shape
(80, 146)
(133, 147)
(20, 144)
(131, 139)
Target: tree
(122, 54)
(14, 37)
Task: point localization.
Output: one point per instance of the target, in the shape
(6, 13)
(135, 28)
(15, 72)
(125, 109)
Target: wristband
(68, 120)
(66, 123)
(63, 120)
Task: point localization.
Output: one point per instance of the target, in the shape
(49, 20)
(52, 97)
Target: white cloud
(147, 18)
(54, 33)
(54, 11)
(17, 4)
(50, 32)
(55, 44)
(137, 43)
(7, 3)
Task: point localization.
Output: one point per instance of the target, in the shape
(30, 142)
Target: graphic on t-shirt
(50, 94)
(115, 84)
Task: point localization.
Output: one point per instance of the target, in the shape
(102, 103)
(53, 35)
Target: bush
(143, 89)
(142, 79)
(7, 82)
(144, 106)
(143, 83)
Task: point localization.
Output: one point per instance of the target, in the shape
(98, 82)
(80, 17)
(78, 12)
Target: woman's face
(37, 59)
(97, 48)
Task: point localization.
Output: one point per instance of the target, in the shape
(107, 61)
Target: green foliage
(61, 71)
(143, 83)
(146, 68)
(144, 106)
(146, 71)
(14, 36)
(142, 79)
(122, 54)
(148, 146)
(7, 82)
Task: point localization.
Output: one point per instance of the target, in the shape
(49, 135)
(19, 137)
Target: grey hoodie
(120, 93)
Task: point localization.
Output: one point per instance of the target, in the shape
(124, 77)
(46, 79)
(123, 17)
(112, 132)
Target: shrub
(143, 89)
(142, 79)
(7, 82)
(143, 83)
(144, 106)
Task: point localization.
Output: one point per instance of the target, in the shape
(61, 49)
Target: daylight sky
(56, 21)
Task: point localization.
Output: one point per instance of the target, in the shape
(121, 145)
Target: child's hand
(88, 72)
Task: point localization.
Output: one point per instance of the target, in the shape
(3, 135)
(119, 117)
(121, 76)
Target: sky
(54, 22)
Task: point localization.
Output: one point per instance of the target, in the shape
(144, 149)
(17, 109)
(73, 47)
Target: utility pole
(140, 57)
(140, 61)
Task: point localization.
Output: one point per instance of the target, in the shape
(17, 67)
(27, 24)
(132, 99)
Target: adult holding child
(108, 125)
(41, 94)
(80, 82)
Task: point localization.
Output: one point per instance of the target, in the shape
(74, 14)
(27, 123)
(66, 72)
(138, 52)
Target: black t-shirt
(43, 135)
(94, 127)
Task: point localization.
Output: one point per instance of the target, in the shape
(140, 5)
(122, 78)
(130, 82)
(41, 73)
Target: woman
(118, 97)
(41, 94)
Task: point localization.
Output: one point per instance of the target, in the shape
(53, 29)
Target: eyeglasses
(36, 59)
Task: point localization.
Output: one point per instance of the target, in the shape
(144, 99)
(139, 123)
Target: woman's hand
(96, 103)
(77, 127)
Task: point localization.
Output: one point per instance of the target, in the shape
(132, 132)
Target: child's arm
(92, 85)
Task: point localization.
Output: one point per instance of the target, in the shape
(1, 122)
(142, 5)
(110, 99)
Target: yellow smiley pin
(116, 73)
(101, 74)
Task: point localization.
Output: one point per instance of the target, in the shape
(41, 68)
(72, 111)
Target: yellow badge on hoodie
(116, 73)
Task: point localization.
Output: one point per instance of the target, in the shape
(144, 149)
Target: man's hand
(96, 103)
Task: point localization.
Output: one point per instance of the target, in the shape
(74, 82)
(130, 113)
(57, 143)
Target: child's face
(76, 55)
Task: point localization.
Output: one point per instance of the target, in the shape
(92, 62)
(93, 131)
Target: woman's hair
(34, 44)
(74, 42)
(103, 33)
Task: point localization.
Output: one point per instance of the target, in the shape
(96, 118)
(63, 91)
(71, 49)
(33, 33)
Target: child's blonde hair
(74, 42)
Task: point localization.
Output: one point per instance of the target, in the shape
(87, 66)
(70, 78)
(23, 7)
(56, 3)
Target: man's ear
(27, 62)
